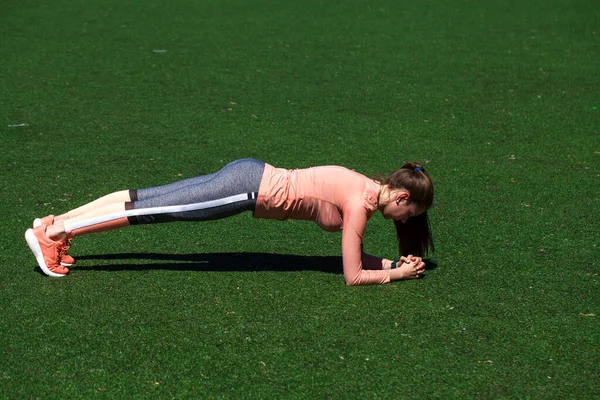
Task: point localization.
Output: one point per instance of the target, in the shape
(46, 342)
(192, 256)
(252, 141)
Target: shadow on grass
(216, 262)
(430, 265)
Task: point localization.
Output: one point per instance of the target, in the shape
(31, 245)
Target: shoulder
(361, 192)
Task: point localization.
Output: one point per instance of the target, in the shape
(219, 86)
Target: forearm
(371, 270)
(355, 260)
(361, 268)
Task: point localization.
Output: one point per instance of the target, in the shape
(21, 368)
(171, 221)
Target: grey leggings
(227, 192)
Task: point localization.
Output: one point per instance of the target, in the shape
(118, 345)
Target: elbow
(354, 281)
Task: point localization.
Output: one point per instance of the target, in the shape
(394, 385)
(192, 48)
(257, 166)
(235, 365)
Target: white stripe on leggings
(69, 227)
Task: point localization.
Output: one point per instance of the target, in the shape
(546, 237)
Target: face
(401, 209)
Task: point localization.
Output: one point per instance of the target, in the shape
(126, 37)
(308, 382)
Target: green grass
(499, 99)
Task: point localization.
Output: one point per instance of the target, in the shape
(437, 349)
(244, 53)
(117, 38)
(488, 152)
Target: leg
(227, 192)
(61, 230)
(126, 196)
(230, 191)
(116, 197)
(233, 168)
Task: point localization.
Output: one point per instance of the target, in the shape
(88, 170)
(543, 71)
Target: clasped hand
(417, 262)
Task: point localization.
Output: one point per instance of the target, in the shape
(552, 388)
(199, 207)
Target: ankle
(61, 218)
(56, 232)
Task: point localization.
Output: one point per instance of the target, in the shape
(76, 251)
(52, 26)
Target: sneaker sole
(34, 245)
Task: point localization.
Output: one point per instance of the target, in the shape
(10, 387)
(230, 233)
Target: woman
(336, 198)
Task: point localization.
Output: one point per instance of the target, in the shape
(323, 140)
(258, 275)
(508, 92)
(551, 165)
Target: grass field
(499, 99)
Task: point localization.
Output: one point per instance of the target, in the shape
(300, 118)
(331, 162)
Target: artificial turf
(499, 99)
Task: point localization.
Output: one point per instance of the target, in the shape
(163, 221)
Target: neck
(384, 197)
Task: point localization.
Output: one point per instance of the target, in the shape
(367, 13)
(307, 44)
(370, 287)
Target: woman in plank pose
(334, 197)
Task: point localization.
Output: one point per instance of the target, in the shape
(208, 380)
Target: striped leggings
(230, 191)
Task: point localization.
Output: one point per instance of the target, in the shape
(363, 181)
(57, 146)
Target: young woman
(336, 198)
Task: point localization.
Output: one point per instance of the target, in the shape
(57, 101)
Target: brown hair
(414, 235)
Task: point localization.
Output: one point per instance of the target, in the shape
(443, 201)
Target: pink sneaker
(46, 251)
(65, 259)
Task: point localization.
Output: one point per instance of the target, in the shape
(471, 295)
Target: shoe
(46, 251)
(48, 220)
(65, 259)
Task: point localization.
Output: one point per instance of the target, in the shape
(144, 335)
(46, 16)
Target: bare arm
(355, 221)
(357, 263)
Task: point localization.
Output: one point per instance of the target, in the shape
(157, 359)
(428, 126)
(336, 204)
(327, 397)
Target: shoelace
(63, 247)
